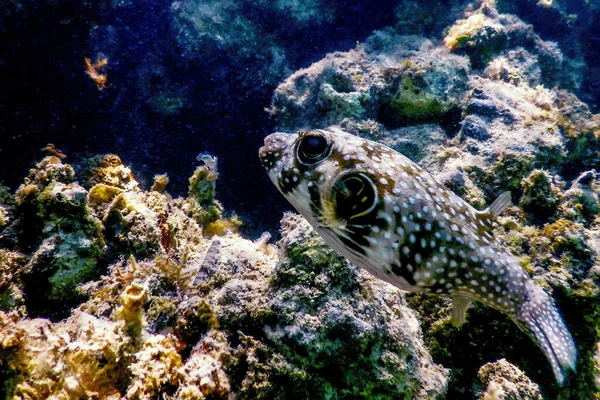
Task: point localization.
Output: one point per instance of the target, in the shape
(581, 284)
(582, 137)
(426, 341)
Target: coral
(541, 195)
(91, 358)
(202, 182)
(413, 103)
(343, 104)
(223, 225)
(504, 381)
(102, 193)
(188, 308)
(204, 372)
(83, 351)
(479, 29)
(207, 211)
(232, 290)
(66, 259)
(562, 256)
(11, 285)
(68, 246)
(160, 182)
(502, 120)
(312, 291)
(506, 173)
(266, 308)
(12, 361)
(581, 128)
(195, 322)
(581, 202)
(107, 169)
(175, 272)
(131, 312)
(131, 220)
(485, 32)
(516, 67)
(154, 368)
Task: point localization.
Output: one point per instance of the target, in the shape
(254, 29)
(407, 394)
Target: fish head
(327, 175)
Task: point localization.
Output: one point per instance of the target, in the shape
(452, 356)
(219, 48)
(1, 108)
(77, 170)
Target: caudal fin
(540, 319)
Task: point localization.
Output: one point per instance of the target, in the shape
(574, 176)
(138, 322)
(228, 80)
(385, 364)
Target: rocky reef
(116, 285)
(149, 299)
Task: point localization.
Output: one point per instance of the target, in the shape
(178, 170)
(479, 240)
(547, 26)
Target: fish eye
(354, 195)
(313, 148)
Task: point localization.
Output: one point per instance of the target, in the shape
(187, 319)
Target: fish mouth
(266, 156)
(273, 149)
(262, 152)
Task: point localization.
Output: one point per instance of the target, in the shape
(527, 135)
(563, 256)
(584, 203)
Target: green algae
(75, 260)
(540, 196)
(415, 103)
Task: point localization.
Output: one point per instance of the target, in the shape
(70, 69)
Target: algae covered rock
(241, 322)
(11, 283)
(330, 329)
(541, 195)
(397, 80)
(171, 302)
(485, 32)
(107, 169)
(54, 225)
(132, 222)
(182, 312)
(504, 381)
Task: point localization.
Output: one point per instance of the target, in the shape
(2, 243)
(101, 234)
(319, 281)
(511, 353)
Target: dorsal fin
(489, 215)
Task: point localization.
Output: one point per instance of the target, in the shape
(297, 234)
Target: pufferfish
(387, 215)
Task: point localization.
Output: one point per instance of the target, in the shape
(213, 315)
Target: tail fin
(540, 319)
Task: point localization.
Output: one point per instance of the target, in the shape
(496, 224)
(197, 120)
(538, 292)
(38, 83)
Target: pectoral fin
(489, 215)
(499, 205)
(460, 305)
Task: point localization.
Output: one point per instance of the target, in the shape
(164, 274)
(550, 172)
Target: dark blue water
(47, 97)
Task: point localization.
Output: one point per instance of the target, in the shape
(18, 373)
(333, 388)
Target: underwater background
(145, 254)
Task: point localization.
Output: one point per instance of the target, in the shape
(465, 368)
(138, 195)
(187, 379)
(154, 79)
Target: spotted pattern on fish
(386, 214)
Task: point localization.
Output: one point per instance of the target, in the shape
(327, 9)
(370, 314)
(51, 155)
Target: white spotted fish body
(386, 214)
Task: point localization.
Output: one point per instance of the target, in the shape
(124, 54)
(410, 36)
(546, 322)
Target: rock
(398, 80)
(541, 194)
(205, 317)
(63, 240)
(474, 127)
(504, 381)
(486, 32)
